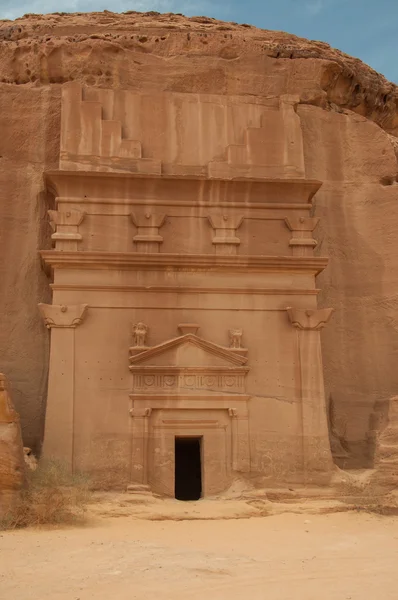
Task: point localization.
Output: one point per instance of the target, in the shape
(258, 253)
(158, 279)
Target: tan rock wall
(350, 154)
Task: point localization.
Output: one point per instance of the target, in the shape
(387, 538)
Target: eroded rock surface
(11, 450)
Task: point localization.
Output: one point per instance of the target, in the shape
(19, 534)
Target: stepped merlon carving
(91, 143)
(273, 150)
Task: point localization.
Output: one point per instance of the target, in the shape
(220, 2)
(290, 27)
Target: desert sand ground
(339, 556)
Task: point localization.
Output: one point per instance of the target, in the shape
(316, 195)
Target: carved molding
(232, 264)
(147, 238)
(312, 319)
(225, 227)
(209, 347)
(55, 315)
(171, 379)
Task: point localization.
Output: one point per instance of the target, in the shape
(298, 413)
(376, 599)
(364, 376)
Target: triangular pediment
(188, 351)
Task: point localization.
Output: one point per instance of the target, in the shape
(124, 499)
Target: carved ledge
(312, 319)
(164, 261)
(148, 225)
(225, 227)
(55, 315)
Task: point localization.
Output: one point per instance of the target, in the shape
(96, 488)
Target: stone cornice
(128, 185)
(204, 262)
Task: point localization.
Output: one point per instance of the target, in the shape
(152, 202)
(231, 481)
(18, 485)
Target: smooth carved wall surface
(200, 260)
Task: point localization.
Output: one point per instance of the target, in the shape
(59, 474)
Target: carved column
(225, 227)
(58, 438)
(148, 225)
(140, 437)
(317, 457)
(302, 242)
(66, 228)
(240, 441)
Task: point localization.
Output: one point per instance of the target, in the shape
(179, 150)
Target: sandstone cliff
(349, 119)
(12, 464)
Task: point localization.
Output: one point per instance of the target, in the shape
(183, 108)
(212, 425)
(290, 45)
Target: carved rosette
(309, 319)
(63, 316)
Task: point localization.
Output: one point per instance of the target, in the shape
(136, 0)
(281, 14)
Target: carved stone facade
(201, 262)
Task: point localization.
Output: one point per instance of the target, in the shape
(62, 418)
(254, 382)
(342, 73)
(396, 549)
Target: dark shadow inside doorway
(188, 468)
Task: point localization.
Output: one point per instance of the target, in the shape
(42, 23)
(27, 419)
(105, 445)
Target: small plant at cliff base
(52, 496)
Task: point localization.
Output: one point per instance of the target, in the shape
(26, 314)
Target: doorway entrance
(188, 468)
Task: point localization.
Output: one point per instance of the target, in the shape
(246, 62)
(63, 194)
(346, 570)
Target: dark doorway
(188, 468)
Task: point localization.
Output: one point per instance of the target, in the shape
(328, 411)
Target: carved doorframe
(143, 406)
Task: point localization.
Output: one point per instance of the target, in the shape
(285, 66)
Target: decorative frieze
(225, 226)
(302, 242)
(63, 316)
(147, 238)
(65, 225)
(189, 379)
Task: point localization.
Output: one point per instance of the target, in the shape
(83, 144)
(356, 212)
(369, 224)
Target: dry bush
(52, 496)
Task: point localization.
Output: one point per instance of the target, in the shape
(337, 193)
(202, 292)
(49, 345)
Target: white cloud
(314, 7)
(11, 9)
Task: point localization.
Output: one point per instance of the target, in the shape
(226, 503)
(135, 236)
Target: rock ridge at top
(108, 49)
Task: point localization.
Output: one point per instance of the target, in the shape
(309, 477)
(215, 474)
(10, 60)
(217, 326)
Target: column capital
(148, 225)
(309, 319)
(65, 225)
(55, 315)
(225, 226)
(142, 413)
(302, 223)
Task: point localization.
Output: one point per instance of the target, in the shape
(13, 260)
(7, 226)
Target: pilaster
(58, 438)
(140, 440)
(317, 457)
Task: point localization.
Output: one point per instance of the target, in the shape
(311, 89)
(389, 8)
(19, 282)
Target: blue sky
(363, 28)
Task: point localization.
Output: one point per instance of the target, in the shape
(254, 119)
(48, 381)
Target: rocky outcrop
(126, 50)
(11, 451)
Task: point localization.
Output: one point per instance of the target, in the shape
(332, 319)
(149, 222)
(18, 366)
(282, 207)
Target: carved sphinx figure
(140, 331)
(235, 336)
